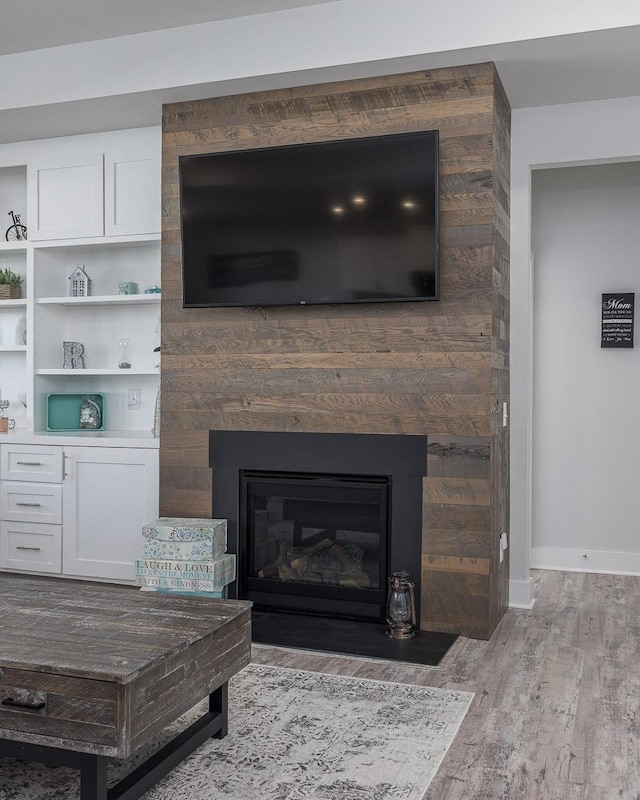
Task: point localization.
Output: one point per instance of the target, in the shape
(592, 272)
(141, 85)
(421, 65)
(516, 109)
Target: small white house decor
(79, 282)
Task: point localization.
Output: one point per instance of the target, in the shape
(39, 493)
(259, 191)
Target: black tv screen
(353, 221)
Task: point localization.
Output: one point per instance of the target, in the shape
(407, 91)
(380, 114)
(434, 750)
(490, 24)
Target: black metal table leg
(93, 769)
(219, 704)
(93, 777)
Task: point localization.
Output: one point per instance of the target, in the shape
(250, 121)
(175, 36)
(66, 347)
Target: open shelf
(13, 247)
(78, 373)
(105, 299)
(99, 242)
(21, 303)
(114, 438)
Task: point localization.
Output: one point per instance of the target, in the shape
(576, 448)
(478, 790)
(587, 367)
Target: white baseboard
(520, 594)
(570, 560)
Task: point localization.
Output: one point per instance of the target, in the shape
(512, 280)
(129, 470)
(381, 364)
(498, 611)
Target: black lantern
(401, 607)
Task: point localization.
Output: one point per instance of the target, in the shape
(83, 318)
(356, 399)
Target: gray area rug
(295, 735)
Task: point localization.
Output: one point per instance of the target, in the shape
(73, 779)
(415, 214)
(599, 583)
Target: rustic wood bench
(90, 672)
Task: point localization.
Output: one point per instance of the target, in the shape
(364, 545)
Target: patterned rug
(294, 735)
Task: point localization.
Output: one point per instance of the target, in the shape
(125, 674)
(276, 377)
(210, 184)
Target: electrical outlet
(133, 399)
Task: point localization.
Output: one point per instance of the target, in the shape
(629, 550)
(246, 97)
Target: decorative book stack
(186, 555)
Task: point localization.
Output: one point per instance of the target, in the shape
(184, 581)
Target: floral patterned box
(192, 584)
(219, 594)
(221, 571)
(184, 539)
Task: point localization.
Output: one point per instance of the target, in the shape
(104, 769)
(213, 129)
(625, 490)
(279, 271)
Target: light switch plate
(133, 399)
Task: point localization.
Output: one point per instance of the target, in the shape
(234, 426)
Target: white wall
(586, 435)
(577, 133)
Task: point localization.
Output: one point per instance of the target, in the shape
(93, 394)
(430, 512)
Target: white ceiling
(34, 24)
(595, 65)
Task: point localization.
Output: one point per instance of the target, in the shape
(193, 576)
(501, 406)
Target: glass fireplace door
(314, 543)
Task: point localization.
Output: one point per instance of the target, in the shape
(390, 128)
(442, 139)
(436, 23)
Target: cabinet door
(132, 193)
(65, 198)
(109, 493)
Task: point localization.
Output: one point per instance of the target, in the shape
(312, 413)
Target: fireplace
(314, 543)
(320, 521)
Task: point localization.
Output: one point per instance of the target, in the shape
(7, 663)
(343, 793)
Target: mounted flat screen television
(353, 221)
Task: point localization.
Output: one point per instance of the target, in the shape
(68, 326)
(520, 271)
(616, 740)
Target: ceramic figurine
(90, 415)
(79, 282)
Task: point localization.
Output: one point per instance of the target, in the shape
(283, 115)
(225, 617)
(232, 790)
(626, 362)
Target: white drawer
(29, 462)
(29, 502)
(31, 547)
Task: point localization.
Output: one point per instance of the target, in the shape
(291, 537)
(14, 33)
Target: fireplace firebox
(319, 521)
(314, 543)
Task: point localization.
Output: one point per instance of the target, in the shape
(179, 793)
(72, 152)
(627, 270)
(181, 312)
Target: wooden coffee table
(90, 672)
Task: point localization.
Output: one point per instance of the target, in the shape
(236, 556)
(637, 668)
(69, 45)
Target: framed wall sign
(617, 320)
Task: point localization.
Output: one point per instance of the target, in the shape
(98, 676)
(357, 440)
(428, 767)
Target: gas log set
(325, 563)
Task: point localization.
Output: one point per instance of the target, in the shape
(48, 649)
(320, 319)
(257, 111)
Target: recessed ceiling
(594, 65)
(33, 24)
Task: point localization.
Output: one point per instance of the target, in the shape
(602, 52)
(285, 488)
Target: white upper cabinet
(65, 197)
(100, 194)
(132, 193)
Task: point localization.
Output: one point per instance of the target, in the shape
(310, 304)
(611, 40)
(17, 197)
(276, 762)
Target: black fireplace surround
(246, 464)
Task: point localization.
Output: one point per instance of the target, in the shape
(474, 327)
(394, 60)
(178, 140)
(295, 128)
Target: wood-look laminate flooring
(556, 713)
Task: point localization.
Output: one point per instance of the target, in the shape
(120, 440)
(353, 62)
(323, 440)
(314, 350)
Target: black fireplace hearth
(347, 637)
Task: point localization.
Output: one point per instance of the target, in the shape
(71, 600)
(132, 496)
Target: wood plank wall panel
(499, 593)
(439, 369)
(456, 540)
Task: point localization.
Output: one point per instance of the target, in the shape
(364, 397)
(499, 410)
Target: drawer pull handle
(33, 505)
(35, 706)
(30, 463)
(24, 547)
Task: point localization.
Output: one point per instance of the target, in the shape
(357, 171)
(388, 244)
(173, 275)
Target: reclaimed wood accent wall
(440, 369)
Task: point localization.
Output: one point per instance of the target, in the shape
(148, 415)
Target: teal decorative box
(184, 539)
(127, 287)
(218, 595)
(62, 410)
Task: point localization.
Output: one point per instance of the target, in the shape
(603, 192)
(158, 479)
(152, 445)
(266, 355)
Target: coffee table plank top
(102, 632)
(102, 669)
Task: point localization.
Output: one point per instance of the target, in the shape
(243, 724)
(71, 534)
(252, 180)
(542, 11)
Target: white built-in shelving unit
(115, 196)
(92, 200)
